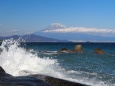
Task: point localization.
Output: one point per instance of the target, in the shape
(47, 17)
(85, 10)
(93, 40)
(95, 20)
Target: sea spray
(17, 61)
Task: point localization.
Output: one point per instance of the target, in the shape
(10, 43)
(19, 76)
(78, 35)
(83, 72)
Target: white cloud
(83, 30)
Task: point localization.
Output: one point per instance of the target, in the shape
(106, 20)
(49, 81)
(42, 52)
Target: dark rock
(2, 72)
(22, 81)
(60, 82)
(8, 80)
(78, 49)
(64, 50)
(99, 51)
(57, 82)
(33, 80)
(55, 54)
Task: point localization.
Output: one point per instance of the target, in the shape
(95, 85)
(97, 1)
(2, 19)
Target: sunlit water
(43, 58)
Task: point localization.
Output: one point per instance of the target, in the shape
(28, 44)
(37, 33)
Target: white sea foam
(17, 61)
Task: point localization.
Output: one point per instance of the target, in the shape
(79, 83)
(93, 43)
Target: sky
(27, 16)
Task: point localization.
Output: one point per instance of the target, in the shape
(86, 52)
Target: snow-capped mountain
(61, 32)
(53, 26)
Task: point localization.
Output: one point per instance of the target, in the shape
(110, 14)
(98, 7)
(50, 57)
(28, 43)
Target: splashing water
(17, 61)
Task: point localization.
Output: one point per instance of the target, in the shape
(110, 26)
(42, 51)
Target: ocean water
(19, 59)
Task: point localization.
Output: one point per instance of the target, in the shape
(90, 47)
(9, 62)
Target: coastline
(33, 80)
(81, 68)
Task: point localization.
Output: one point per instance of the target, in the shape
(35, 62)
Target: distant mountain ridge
(61, 32)
(31, 38)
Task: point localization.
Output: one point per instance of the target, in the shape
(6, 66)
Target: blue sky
(25, 16)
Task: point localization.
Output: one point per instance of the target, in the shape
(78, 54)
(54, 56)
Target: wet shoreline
(33, 80)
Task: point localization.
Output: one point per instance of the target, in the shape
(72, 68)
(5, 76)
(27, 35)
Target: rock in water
(64, 50)
(60, 82)
(78, 48)
(56, 81)
(8, 80)
(99, 51)
(33, 80)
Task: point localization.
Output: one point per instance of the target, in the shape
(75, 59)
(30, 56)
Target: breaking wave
(17, 61)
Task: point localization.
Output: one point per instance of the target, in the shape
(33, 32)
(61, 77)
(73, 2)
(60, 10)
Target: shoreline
(33, 80)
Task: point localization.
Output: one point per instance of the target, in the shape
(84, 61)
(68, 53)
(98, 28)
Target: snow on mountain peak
(58, 25)
(58, 28)
(54, 26)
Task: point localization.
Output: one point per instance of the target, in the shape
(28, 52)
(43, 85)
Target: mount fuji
(53, 26)
(77, 34)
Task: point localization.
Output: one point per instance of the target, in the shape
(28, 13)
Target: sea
(25, 58)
